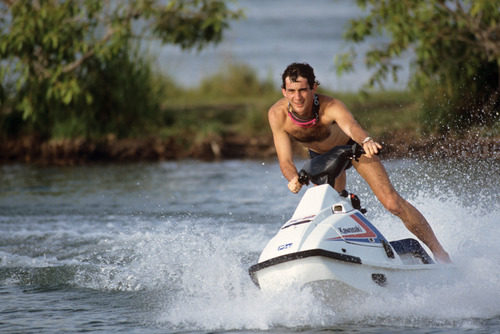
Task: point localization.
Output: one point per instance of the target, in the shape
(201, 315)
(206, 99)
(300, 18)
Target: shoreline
(30, 150)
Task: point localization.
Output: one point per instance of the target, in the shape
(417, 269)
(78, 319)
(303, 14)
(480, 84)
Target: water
(276, 33)
(165, 248)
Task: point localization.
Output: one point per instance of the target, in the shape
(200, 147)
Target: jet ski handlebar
(325, 168)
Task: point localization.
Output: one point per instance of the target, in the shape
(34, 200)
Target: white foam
(215, 291)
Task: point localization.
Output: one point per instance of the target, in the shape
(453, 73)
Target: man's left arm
(351, 127)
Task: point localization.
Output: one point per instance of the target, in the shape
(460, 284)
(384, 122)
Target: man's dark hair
(295, 70)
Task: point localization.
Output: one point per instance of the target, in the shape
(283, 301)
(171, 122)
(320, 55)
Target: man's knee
(394, 204)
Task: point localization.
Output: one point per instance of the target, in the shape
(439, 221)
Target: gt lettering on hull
(285, 246)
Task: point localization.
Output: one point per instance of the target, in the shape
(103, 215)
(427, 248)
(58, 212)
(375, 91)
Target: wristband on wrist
(366, 140)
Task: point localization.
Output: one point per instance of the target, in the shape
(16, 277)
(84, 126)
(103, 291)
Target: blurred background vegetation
(75, 69)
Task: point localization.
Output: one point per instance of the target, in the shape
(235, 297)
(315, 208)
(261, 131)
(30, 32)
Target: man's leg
(375, 175)
(340, 182)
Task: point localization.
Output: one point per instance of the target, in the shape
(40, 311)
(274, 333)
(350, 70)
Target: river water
(165, 248)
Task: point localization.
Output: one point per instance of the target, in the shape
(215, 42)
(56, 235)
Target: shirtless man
(320, 123)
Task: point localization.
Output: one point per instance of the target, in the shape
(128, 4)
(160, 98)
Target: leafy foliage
(78, 61)
(456, 47)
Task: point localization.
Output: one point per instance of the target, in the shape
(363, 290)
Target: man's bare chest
(316, 133)
(320, 139)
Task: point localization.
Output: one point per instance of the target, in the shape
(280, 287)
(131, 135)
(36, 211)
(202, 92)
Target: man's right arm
(283, 145)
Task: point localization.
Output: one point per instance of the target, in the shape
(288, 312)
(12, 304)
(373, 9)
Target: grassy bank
(236, 101)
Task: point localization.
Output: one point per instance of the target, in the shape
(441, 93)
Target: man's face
(299, 94)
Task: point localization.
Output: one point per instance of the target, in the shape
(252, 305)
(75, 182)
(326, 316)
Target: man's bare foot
(443, 257)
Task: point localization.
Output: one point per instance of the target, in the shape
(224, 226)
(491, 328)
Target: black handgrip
(357, 151)
(304, 177)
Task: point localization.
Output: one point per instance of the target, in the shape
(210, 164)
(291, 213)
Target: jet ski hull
(327, 239)
(299, 269)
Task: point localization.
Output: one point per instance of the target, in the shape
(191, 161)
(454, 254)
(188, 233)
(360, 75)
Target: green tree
(456, 55)
(79, 61)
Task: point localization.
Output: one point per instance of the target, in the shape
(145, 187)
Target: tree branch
(483, 36)
(74, 65)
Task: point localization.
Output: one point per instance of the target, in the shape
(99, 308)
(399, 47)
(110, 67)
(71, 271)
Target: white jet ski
(329, 239)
